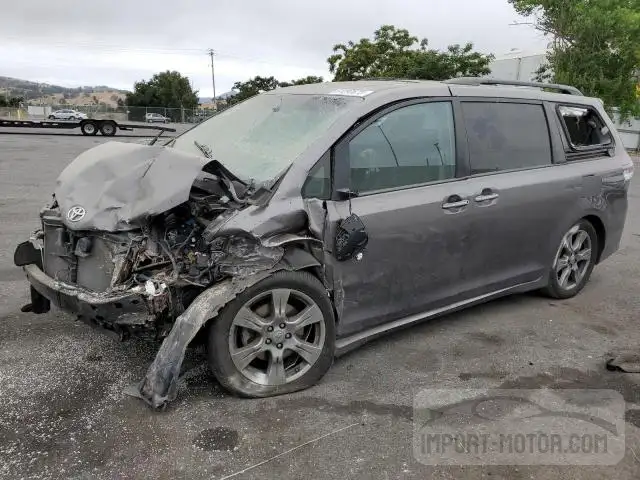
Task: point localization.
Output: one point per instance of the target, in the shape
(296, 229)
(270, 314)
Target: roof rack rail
(388, 79)
(566, 89)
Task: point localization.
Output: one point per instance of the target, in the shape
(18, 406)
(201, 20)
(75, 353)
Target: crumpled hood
(118, 185)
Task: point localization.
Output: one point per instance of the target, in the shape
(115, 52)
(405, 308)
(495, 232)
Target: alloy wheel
(277, 336)
(573, 258)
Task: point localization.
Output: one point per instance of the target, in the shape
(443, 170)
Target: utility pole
(213, 79)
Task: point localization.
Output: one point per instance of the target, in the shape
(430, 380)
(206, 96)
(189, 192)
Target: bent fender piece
(160, 384)
(624, 361)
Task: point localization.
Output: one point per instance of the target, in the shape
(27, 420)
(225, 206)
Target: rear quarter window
(506, 136)
(584, 128)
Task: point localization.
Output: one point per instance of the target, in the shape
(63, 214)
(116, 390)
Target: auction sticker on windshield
(349, 92)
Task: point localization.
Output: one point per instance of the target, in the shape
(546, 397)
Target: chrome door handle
(487, 197)
(458, 204)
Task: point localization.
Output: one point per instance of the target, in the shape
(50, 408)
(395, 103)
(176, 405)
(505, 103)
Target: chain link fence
(122, 113)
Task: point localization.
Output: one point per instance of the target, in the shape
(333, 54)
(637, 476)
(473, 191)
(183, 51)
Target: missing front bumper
(122, 311)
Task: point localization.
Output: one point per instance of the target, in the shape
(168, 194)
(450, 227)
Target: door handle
(456, 204)
(486, 197)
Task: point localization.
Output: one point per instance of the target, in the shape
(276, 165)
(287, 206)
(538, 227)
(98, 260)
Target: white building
(517, 65)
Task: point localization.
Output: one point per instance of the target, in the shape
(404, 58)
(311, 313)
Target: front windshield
(259, 138)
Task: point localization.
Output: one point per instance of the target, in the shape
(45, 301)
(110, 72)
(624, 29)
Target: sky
(115, 43)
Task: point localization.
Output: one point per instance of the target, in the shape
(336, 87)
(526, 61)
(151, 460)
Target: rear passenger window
(583, 127)
(408, 146)
(506, 136)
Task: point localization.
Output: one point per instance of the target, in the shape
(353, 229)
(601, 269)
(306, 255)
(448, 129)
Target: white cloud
(132, 40)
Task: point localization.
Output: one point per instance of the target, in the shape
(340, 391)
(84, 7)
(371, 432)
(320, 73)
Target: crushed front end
(121, 281)
(127, 245)
(130, 281)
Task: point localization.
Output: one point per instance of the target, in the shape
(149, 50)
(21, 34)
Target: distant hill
(44, 93)
(226, 95)
(222, 96)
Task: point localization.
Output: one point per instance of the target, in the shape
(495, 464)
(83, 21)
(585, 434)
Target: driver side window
(409, 146)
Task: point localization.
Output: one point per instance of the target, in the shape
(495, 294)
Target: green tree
(253, 86)
(11, 102)
(596, 47)
(302, 81)
(395, 53)
(258, 84)
(167, 89)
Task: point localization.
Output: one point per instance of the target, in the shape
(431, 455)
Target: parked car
(305, 221)
(67, 114)
(156, 117)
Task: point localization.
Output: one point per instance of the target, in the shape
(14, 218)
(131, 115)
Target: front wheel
(574, 261)
(277, 337)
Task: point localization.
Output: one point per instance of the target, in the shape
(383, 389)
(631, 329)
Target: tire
(261, 377)
(580, 268)
(71, 118)
(108, 129)
(51, 117)
(88, 128)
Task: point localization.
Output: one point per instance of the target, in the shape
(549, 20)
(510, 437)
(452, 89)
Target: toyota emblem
(75, 214)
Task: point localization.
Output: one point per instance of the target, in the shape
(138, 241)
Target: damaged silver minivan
(304, 221)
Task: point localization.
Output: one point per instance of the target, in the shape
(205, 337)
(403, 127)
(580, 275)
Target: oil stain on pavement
(216, 439)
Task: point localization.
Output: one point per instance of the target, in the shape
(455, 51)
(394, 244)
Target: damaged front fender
(253, 261)
(160, 384)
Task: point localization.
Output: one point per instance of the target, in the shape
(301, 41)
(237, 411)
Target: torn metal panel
(320, 226)
(246, 255)
(287, 238)
(279, 217)
(119, 185)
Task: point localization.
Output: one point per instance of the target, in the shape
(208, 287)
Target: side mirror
(351, 238)
(346, 194)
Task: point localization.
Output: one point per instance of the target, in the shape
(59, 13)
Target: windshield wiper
(206, 150)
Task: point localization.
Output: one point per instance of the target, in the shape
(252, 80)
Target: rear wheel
(108, 129)
(51, 117)
(276, 337)
(574, 261)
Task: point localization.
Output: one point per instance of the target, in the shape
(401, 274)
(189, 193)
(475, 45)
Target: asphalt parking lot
(63, 413)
